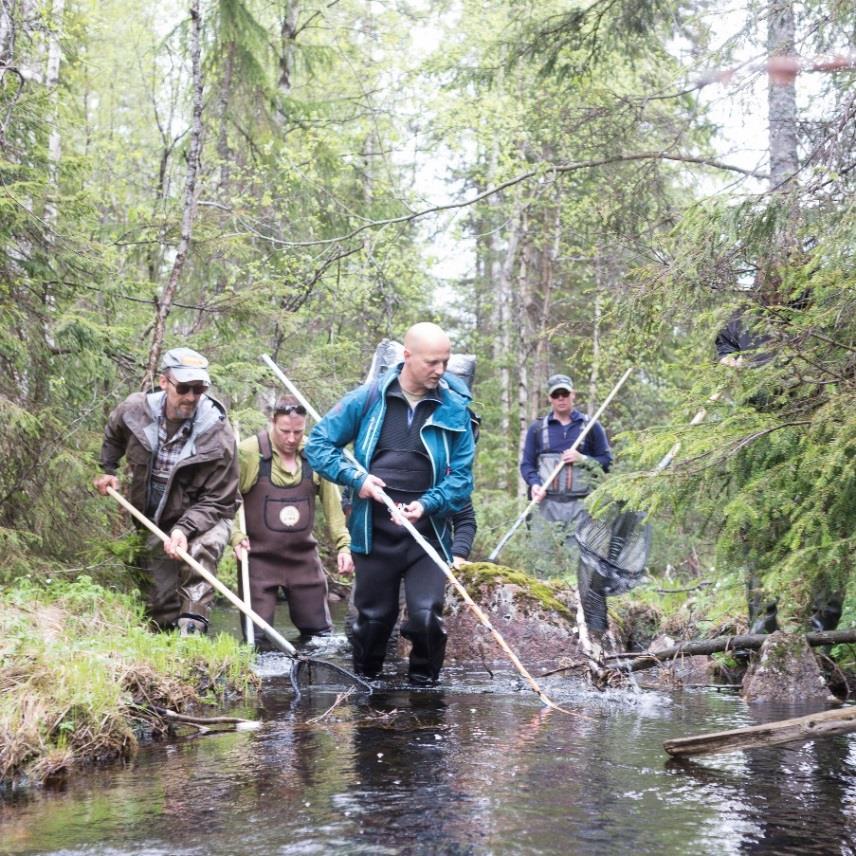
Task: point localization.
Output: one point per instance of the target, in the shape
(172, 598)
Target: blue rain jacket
(446, 435)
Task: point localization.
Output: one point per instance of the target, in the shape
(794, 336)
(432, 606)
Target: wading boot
(190, 623)
(427, 635)
(369, 643)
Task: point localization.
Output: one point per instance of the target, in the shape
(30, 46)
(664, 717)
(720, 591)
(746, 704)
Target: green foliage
(595, 252)
(88, 245)
(770, 470)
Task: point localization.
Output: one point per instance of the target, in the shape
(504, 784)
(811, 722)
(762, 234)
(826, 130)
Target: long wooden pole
(203, 572)
(557, 469)
(249, 631)
(432, 553)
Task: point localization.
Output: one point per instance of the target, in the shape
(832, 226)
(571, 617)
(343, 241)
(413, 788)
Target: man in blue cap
(180, 454)
(548, 441)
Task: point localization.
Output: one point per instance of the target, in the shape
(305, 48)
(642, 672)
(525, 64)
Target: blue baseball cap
(559, 381)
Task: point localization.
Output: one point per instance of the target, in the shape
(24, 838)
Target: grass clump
(81, 678)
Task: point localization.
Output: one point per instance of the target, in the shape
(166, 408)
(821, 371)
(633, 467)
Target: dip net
(613, 555)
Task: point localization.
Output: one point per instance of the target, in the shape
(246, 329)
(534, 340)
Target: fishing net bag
(613, 555)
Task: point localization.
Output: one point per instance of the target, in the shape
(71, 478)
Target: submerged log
(798, 730)
(728, 643)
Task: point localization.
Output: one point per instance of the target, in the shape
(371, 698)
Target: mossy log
(798, 730)
(729, 643)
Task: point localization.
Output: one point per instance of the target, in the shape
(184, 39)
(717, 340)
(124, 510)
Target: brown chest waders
(283, 550)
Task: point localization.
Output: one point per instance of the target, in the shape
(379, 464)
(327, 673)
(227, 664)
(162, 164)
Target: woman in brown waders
(279, 487)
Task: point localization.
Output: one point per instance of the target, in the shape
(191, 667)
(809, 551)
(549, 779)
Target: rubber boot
(424, 629)
(827, 613)
(767, 621)
(369, 643)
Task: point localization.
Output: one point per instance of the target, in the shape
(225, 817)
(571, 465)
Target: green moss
(477, 574)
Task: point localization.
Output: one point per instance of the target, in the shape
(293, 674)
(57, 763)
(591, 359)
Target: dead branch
(546, 169)
(718, 644)
(339, 699)
(701, 585)
(202, 720)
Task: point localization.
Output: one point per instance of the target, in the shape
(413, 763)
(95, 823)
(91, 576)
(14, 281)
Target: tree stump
(787, 671)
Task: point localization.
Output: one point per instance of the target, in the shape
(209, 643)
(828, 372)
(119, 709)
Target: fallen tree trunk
(799, 730)
(727, 643)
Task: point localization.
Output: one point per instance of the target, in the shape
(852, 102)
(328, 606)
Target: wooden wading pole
(272, 634)
(249, 630)
(433, 554)
(558, 468)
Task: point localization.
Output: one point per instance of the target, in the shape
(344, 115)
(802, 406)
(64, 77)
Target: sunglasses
(288, 409)
(186, 388)
(560, 393)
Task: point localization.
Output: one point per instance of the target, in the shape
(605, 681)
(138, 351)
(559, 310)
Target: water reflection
(471, 768)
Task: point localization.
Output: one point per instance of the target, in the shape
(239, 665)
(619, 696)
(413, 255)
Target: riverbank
(82, 679)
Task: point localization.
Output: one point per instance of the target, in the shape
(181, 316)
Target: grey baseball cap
(559, 381)
(185, 365)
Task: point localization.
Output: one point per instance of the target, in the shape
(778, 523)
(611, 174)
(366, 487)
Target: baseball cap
(559, 381)
(185, 365)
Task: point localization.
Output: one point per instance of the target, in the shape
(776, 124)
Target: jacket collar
(209, 412)
(576, 416)
(448, 390)
(451, 412)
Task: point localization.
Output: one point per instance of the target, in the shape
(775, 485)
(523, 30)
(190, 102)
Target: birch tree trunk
(54, 59)
(522, 306)
(54, 135)
(781, 93)
(189, 205)
(7, 36)
(548, 279)
(591, 405)
(502, 349)
(287, 40)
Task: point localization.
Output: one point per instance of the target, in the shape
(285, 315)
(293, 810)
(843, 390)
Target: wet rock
(662, 643)
(786, 671)
(535, 618)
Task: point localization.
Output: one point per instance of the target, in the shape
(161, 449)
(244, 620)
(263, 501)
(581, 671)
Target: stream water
(475, 766)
